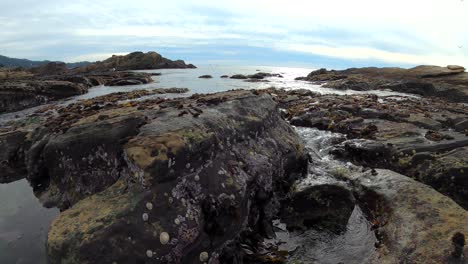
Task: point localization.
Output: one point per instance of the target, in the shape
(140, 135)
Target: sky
(326, 33)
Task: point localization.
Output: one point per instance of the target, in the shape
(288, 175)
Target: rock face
(449, 82)
(415, 223)
(134, 61)
(172, 181)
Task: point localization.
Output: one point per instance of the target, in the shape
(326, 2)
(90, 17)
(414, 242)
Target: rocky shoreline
(215, 178)
(21, 88)
(449, 82)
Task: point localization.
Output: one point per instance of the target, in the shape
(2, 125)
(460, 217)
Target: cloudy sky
(330, 33)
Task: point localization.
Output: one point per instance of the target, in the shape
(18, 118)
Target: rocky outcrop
(239, 77)
(414, 223)
(134, 61)
(17, 95)
(51, 68)
(20, 93)
(172, 181)
(205, 76)
(449, 82)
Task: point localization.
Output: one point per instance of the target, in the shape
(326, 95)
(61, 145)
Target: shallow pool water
(24, 224)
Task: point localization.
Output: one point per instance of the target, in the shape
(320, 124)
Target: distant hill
(25, 63)
(135, 61)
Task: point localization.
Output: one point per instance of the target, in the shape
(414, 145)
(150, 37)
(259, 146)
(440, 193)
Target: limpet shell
(164, 238)
(149, 206)
(145, 217)
(204, 256)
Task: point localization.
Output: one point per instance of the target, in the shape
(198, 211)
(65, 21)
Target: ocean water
(188, 78)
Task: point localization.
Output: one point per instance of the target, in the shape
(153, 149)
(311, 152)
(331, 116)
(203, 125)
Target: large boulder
(415, 223)
(174, 182)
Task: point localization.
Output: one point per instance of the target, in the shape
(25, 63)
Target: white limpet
(187, 165)
(204, 256)
(177, 221)
(197, 178)
(149, 206)
(164, 238)
(145, 217)
(149, 253)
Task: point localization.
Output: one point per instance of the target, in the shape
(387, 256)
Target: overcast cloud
(332, 33)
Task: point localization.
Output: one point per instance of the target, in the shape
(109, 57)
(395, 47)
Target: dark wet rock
(224, 76)
(130, 79)
(156, 74)
(446, 172)
(319, 206)
(256, 80)
(206, 77)
(66, 159)
(12, 165)
(415, 223)
(349, 84)
(139, 176)
(133, 61)
(317, 72)
(436, 136)
(262, 75)
(424, 121)
(239, 76)
(462, 126)
(458, 241)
